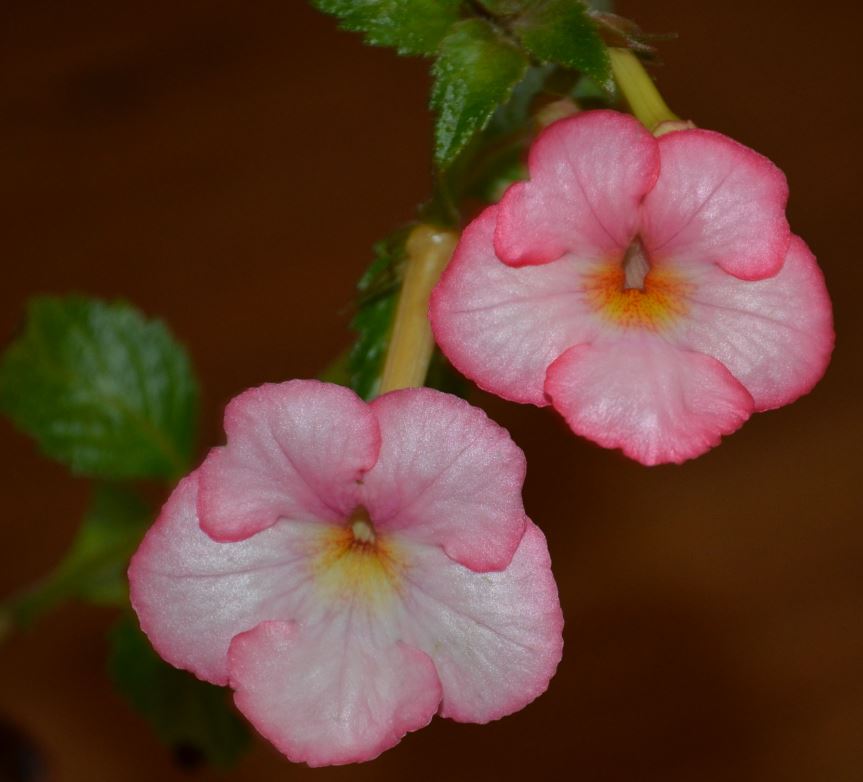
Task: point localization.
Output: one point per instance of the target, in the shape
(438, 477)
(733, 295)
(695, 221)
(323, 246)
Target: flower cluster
(351, 569)
(648, 288)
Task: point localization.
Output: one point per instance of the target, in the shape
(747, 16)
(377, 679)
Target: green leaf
(410, 26)
(475, 73)
(496, 157)
(194, 718)
(378, 293)
(101, 389)
(563, 32)
(372, 323)
(94, 569)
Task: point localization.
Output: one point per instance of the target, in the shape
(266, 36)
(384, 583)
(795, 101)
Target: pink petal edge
(588, 176)
(495, 638)
(295, 450)
(717, 201)
(655, 402)
(193, 594)
(282, 673)
(774, 335)
(446, 475)
(502, 326)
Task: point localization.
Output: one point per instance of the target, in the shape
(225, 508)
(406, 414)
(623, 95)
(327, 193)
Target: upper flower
(649, 288)
(351, 569)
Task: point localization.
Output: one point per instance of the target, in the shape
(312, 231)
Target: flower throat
(632, 292)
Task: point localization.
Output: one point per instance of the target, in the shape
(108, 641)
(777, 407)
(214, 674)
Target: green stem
(639, 90)
(412, 344)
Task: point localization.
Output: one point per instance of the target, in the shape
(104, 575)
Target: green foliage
(195, 718)
(496, 157)
(504, 7)
(475, 73)
(378, 294)
(507, 169)
(372, 324)
(94, 568)
(516, 114)
(589, 95)
(410, 26)
(563, 32)
(378, 297)
(101, 389)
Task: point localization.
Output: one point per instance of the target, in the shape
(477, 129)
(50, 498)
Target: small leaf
(101, 389)
(563, 32)
(475, 73)
(378, 293)
(194, 718)
(373, 323)
(501, 149)
(410, 26)
(94, 568)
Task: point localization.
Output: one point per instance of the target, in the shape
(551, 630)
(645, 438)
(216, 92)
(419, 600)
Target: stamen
(363, 532)
(636, 294)
(355, 563)
(635, 267)
(361, 527)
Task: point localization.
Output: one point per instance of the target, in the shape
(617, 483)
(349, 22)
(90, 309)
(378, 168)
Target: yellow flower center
(356, 563)
(635, 293)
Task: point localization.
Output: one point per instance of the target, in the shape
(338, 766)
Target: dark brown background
(227, 166)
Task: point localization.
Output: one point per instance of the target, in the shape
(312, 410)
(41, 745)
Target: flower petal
(335, 692)
(446, 475)
(295, 450)
(655, 402)
(774, 335)
(193, 594)
(495, 638)
(717, 201)
(588, 175)
(502, 326)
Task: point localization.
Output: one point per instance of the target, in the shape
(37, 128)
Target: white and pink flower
(352, 569)
(649, 289)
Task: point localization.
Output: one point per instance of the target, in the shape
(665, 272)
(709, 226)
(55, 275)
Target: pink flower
(648, 288)
(351, 569)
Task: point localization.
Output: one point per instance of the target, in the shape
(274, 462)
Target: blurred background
(227, 166)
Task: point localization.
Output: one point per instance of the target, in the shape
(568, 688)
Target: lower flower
(352, 569)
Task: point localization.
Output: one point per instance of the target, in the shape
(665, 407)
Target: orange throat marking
(657, 304)
(356, 563)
